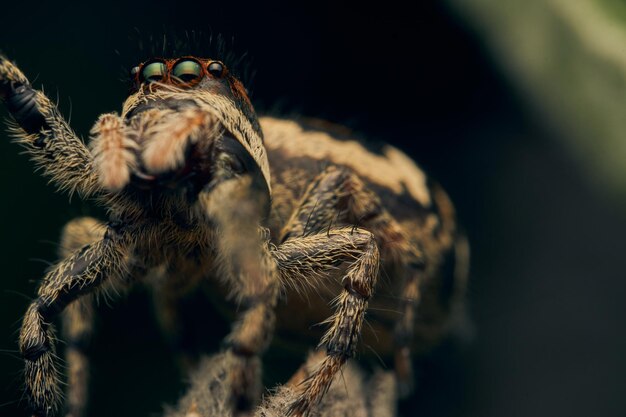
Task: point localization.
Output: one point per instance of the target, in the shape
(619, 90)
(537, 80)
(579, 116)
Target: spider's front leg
(237, 205)
(47, 137)
(78, 274)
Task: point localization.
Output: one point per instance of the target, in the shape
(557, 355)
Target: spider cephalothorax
(181, 117)
(184, 172)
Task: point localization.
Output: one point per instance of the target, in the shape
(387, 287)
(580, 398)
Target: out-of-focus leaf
(568, 58)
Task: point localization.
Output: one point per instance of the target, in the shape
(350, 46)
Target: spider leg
(338, 194)
(77, 275)
(171, 286)
(77, 331)
(78, 317)
(381, 394)
(312, 259)
(345, 396)
(167, 145)
(113, 151)
(236, 206)
(209, 391)
(168, 312)
(44, 133)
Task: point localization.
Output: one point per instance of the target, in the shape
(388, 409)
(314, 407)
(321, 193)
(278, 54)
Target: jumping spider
(185, 174)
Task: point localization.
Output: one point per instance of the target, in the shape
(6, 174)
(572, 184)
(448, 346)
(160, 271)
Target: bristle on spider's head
(199, 43)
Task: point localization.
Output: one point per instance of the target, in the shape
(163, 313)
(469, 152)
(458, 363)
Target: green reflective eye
(187, 71)
(154, 71)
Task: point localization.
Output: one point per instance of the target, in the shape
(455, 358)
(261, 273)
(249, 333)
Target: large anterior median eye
(154, 71)
(187, 71)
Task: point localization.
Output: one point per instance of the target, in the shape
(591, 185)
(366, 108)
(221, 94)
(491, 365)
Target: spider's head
(187, 116)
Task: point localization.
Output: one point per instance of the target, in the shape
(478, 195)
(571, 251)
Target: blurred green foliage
(615, 9)
(568, 60)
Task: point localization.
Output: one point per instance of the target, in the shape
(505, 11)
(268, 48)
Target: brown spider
(184, 172)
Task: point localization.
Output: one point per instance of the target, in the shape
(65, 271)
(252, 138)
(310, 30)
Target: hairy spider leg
(353, 395)
(338, 195)
(43, 132)
(315, 258)
(75, 276)
(247, 265)
(78, 317)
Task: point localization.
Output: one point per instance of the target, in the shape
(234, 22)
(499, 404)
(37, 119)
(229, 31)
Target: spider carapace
(198, 188)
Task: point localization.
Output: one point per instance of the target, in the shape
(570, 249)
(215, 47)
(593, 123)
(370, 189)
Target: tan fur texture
(351, 394)
(165, 149)
(69, 171)
(393, 169)
(112, 151)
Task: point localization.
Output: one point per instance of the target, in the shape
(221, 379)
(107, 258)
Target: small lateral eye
(154, 71)
(216, 69)
(133, 72)
(187, 71)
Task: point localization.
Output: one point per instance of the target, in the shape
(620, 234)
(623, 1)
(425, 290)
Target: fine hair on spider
(199, 189)
(352, 394)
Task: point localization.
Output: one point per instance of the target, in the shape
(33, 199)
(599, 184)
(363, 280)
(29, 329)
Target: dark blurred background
(547, 281)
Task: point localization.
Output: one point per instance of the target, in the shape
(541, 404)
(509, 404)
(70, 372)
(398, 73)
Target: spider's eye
(187, 71)
(133, 72)
(154, 71)
(216, 69)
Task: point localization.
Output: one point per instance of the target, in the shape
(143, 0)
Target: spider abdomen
(298, 155)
